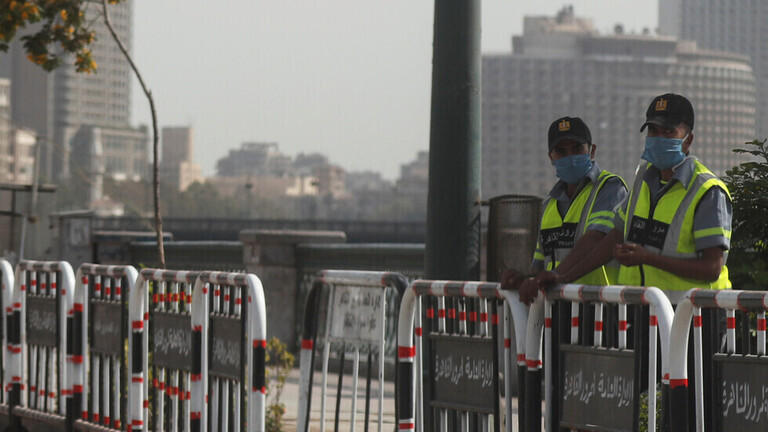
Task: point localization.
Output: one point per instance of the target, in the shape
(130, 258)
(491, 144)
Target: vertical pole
(453, 218)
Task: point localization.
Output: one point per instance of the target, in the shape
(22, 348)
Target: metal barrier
(738, 391)
(233, 333)
(176, 354)
(199, 328)
(6, 283)
(38, 326)
(355, 318)
(462, 347)
(98, 345)
(598, 383)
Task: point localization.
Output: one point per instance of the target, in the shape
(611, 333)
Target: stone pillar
(271, 255)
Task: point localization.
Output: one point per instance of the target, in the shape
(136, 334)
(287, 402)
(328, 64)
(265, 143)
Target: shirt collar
(560, 190)
(682, 172)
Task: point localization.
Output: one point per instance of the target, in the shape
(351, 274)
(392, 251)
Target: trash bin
(512, 228)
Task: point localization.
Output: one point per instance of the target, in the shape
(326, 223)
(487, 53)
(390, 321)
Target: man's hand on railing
(529, 290)
(510, 279)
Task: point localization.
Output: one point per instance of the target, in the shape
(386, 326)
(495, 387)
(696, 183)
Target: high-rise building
(562, 66)
(6, 172)
(53, 103)
(23, 155)
(178, 168)
(739, 26)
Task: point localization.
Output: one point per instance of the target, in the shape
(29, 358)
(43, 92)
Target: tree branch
(148, 93)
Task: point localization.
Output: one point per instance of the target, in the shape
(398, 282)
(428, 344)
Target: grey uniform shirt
(711, 218)
(610, 195)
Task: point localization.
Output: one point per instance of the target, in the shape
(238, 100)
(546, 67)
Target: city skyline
(372, 75)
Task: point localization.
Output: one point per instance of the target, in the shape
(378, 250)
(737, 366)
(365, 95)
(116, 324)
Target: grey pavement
(290, 398)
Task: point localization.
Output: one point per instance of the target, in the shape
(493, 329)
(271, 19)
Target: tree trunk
(148, 93)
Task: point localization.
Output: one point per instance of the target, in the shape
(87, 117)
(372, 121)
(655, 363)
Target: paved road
(291, 398)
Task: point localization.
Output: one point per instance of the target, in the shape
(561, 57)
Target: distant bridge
(223, 229)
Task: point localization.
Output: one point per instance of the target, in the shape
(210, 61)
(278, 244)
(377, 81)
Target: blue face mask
(664, 153)
(571, 169)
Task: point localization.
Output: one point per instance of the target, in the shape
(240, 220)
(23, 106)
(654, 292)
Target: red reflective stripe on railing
(532, 364)
(483, 317)
(473, 316)
(406, 352)
(197, 328)
(653, 320)
(217, 292)
(507, 342)
(84, 415)
(107, 420)
(599, 325)
(77, 359)
(521, 357)
(137, 379)
(259, 343)
(137, 325)
(196, 377)
(137, 423)
(406, 426)
(95, 417)
(462, 316)
(441, 313)
(452, 313)
(575, 322)
(307, 344)
(17, 305)
(66, 392)
(78, 307)
(77, 388)
(85, 280)
(418, 331)
(146, 404)
(117, 292)
(495, 319)
(761, 324)
(430, 313)
(13, 349)
(548, 322)
(195, 415)
(146, 316)
(97, 287)
(731, 322)
(226, 297)
(697, 321)
(623, 325)
(678, 383)
(117, 424)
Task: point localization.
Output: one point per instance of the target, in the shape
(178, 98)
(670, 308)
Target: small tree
(60, 30)
(748, 184)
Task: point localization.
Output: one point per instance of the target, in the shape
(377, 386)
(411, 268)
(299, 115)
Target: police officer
(674, 229)
(579, 210)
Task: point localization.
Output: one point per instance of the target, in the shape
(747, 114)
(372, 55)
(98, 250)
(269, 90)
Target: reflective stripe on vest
(558, 235)
(666, 228)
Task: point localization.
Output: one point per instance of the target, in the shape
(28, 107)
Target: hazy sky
(347, 78)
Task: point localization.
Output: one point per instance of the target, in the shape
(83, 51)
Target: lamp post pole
(453, 215)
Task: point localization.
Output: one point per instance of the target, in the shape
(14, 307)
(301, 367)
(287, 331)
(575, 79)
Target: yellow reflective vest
(666, 228)
(558, 234)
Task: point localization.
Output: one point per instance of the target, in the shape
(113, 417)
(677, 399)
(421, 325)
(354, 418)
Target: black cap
(668, 111)
(571, 128)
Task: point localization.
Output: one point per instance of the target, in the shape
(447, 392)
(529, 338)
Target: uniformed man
(579, 210)
(673, 231)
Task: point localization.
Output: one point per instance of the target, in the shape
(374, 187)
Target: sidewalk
(290, 398)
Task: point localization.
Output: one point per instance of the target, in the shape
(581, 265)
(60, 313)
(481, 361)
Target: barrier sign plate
(41, 321)
(743, 390)
(172, 340)
(106, 324)
(596, 388)
(226, 347)
(356, 315)
(463, 373)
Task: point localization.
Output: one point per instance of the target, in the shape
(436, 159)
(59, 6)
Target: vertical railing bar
(326, 355)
